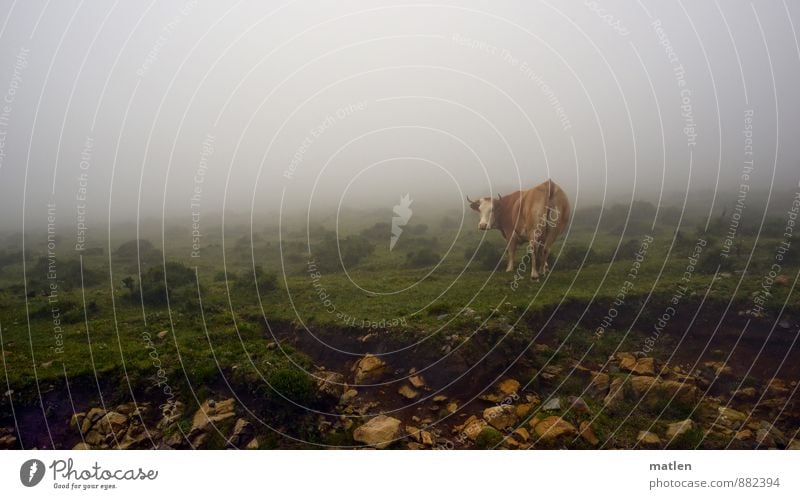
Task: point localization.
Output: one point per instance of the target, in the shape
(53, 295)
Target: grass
(228, 334)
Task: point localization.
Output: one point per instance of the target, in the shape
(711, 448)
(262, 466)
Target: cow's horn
(469, 200)
(498, 196)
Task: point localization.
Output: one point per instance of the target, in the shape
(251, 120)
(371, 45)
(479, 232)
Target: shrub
(292, 384)
(422, 258)
(486, 256)
(488, 438)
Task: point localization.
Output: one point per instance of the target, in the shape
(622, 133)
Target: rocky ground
(628, 401)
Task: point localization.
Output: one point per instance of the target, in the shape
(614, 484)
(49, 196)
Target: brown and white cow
(538, 216)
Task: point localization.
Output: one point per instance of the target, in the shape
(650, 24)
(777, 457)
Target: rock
(645, 366)
(679, 428)
(452, 407)
(598, 386)
(77, 419)
(112, 422)
(641, 384)
(522, 434)
(768, 435)
(253, 444)
(417, 381)
(330, 384)
(242, 433)
(162, 334)
(776, 388)
(730, 418)
(748, 394)
(413, 432)
(408, 392)
(554, 404)
(427, 438)
(553, 428)
(522, 410)
(578, 405)
(500, 416)
(211, 412)
(439, 398)
(781, 280)
(648, 439)
(94, 438)
(616, 394)
(794, 445)
(473, 429)
(508, 386)
(47, 364)
(348, 395)
(743, 435)
(378, 432)
(82, 446)
(8, 442)
(684, 393)
(368, 368)
(587, 433)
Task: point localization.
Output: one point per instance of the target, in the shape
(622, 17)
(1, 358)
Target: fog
(120, 111)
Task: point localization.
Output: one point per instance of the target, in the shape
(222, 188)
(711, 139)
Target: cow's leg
(511, 246)
(533, 250)
(543, 257)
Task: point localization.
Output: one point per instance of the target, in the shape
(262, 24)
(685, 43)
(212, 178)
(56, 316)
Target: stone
(616, 394)
(730, 418)
(744, 435)
(645, 366)
(473, 428)
(648, 439)
(82, 446)
(522, 410)
(330, 384)
(776, 388)
(500, 416)
(368, 368)
(378, 432)
(94, 438)
(554, 404)
(781, 280)
(162, 334)
(211, 412)
(77, 419)
(554, 427)
(598, 386)
(8, 442)
(587, 433)
(522, 434)
(508, 386)
(417, 381)
(683, 393)
(408, 392)
(452, 407)
(427, 438)
(748, 394)
(112, 422)
(242, 433)
(348, 395)
(679, 428)
(578, 405)
(641, 384)
(439, 398)
(413, 432)
(253, 444)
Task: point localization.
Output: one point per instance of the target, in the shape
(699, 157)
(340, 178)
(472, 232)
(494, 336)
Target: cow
(538, 216)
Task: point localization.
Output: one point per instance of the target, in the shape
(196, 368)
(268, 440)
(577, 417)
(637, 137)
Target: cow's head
(486, 206)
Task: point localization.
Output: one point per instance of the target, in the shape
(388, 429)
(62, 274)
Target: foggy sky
(179, 107)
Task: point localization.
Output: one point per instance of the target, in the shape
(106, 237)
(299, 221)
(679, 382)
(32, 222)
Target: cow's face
(485, 207)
